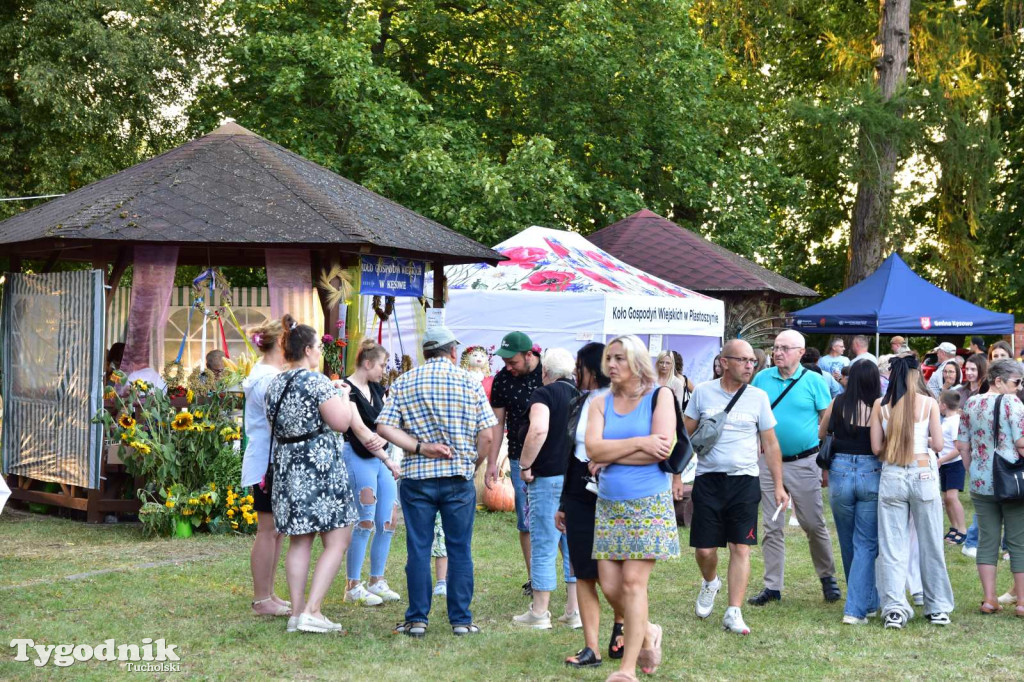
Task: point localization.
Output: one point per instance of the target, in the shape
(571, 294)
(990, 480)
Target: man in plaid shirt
(438, 413)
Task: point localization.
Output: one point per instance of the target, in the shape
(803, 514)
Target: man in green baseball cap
(510, 399)
(512, 344)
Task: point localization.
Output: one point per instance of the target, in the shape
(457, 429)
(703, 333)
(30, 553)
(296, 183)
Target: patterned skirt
(644, 528)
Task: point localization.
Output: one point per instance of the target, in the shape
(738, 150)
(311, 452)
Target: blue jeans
(455, 498)
(972, 533)
(545, 540)
(520, 487)
(853, 492)
(370, 474)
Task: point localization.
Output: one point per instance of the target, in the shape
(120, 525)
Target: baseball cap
(435, 337)
(945, 347)
(514, 342)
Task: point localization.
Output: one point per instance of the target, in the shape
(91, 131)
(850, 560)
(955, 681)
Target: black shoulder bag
(682, 451)
(1007, 478)
(789, 388)
(268, 478)
(826, 451)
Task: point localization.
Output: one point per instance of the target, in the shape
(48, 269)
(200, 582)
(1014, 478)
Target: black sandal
(585, 658)
(616, 648)
(959, 538)
(951, 536)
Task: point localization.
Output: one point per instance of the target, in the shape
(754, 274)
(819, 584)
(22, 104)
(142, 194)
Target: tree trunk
(877, 150)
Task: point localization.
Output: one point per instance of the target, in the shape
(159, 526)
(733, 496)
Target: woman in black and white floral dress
(312, 493)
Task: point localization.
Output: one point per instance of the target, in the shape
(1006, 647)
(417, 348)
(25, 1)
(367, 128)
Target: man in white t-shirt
(860, 350)
(727, 491)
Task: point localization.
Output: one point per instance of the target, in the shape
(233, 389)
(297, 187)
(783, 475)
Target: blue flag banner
(383, 276)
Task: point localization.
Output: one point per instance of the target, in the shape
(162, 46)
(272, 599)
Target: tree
(490, 117)
(878, 146)
(87, 88)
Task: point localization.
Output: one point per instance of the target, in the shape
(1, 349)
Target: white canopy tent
(564, 292)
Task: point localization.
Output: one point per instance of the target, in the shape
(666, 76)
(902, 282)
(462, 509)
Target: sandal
(468, 629)
(586, 658)
(1019, 611)
(959, 538)
(650, 659)
(281, 610)
(950, 537)
(411, 629)
(617, 643)
(988, 609)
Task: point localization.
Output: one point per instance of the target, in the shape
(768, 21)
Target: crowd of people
(586, 439)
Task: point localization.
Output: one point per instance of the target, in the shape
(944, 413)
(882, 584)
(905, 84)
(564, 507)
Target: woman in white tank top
(905, 428)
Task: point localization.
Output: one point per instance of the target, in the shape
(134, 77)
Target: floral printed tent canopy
(542, 259)
(563, 291)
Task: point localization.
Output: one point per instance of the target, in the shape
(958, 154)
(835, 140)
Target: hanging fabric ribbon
(223, 337)
(184, 337)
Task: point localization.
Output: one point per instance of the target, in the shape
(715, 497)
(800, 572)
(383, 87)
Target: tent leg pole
(876, 344)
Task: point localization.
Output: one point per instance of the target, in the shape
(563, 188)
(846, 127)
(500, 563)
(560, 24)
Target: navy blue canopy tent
(895, 300)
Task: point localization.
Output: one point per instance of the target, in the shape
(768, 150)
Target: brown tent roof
(657, 245)
(233, 187)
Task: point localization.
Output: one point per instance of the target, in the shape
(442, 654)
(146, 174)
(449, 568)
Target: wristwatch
(418, 444)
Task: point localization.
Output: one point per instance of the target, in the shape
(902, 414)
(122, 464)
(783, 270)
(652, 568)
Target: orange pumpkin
(502, 497)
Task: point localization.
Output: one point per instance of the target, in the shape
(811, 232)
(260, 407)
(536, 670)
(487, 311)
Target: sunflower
(182, 421)
(109, 393)
(190, 396)
(141, 385)
(230, 433)
(140, 447)
(125, 421)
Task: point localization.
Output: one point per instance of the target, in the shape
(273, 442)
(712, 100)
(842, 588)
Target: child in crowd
(951, 467)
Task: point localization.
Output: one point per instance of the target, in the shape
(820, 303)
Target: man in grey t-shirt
(727, 491)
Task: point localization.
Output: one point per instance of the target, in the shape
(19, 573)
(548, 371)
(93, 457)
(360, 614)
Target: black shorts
(261, 496)
(951, 476)
(724, 510)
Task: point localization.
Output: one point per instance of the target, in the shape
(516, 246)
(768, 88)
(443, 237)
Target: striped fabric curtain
(53, 376)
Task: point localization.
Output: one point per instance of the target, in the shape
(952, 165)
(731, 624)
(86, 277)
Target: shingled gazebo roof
(234, 193)
(657, 245)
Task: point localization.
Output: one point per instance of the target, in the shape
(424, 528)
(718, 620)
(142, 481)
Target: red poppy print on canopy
(604, 260)
(559, 250)
(527, 257)
(599, 279)
(548, 280)
(658, 285)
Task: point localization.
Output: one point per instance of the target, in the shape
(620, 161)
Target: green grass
(202, 606)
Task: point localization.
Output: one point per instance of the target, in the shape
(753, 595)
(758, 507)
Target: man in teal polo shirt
(797, 414)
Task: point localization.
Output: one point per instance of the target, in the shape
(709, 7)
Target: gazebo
(656, 245)
(228, 198)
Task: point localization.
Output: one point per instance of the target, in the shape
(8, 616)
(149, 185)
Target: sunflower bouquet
(186, 456)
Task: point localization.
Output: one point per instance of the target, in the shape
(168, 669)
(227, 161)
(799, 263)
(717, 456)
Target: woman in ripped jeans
(375, 476)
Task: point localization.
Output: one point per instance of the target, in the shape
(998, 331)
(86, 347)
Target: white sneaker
(573, 620)
(733, 621)
(1007, 598)
(360, 595)
(969, 551)
(308, 623)
(854, 620)
(706, 597)
(381, 589)
(532, 620)
(293, 624)
(441, 589)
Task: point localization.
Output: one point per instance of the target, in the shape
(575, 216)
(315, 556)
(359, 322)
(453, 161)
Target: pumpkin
(502, 497)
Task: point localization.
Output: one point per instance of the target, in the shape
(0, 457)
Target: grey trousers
(802, 479)
(906, 493)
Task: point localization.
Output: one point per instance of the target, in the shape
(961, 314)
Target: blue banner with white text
(383, 276)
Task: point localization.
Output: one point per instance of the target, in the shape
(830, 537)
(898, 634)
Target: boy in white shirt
(951, 467)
